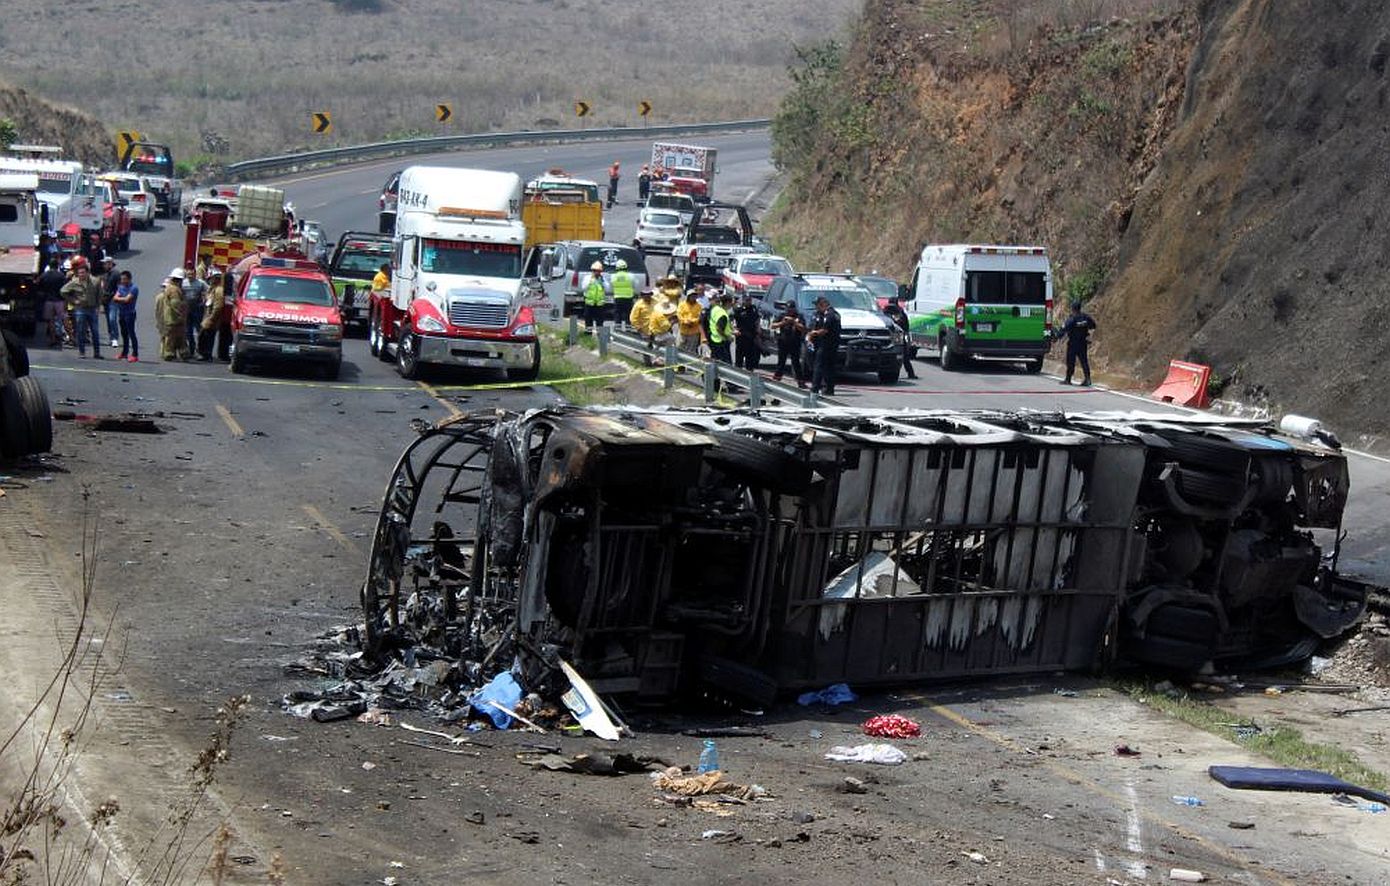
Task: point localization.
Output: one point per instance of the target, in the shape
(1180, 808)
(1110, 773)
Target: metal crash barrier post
(604, 331)
(711, 380)
(574, 330)
(672, 359)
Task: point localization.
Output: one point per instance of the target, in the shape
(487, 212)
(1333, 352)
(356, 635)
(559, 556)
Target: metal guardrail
(712, 375)
(430, 144)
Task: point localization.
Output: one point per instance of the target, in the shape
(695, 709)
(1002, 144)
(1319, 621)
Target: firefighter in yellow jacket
(171, 318)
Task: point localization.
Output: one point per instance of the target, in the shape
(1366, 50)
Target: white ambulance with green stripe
(993, 302)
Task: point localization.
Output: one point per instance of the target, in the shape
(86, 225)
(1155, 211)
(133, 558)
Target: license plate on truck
(289, 349)
(984, 327)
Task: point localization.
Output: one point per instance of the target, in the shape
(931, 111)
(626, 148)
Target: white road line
(1134, 838)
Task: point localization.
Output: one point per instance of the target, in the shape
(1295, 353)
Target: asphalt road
(234, 538)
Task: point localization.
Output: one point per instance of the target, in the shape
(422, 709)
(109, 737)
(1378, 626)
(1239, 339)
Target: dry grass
(252, 71)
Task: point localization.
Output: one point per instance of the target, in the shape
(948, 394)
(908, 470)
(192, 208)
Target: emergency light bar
(297, 264)
(1007, 250)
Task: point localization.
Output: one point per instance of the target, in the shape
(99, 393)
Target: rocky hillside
(1212, 172)
(37, 121)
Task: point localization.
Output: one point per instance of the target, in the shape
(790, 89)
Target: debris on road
(1261, 778)
(592, 764)
(674, 780)
(852, 785)
(882, 754)
(127, 422)
(1124, 750)
(837, 694)
(891, 726)
(1183, 875)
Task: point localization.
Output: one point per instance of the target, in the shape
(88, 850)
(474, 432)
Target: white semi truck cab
(456, 276)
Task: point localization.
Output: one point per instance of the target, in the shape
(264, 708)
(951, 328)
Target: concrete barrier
(1185, 385)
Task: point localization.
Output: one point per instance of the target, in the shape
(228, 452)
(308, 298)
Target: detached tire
(37, 412)
(18, 353)
(14, 424)
(757, 463)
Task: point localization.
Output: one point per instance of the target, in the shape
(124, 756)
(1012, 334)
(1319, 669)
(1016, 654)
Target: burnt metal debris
(668, 550)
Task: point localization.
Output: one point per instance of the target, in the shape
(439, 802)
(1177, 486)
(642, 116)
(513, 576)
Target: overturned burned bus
(757, 552)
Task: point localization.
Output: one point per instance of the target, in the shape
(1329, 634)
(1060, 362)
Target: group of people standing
(192, 309)
(705, 321)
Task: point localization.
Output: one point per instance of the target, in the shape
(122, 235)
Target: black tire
(529, 373)
(373, 333)
(888, 376)
(331, 371)
(950, 360)
(383, 352)
(18, 353)
(1033, 367)
(238, 358)
(407, 360)
(757, 463)
(1273, 479)
(14, 424)
(38, 413)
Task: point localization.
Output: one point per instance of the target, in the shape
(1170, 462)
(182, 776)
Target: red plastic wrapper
(891, 726)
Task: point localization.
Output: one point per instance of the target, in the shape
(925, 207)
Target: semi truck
(689, 168)
(74, 208)
(976, 301)
(457, 294)
(19, 254)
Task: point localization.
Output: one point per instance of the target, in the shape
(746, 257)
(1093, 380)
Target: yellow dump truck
(559, 207)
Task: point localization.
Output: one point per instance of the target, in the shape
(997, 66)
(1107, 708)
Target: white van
(969, 301)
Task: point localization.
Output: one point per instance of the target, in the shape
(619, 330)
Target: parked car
(386, 204)
(141, 201)
(664, 198)
(754, 273)
(561, 268)
(869, 341)
(882, 287)
(658, 230)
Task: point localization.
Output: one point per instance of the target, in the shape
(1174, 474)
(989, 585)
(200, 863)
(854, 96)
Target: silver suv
(563, 266)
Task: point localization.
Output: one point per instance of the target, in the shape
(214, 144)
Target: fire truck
(222, 229)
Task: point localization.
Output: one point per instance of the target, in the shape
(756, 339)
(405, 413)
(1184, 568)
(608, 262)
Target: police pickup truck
(717, 234)
(356, 260)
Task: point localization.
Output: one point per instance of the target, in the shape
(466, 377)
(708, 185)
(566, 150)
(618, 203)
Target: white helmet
(176, 274)
(622, 264)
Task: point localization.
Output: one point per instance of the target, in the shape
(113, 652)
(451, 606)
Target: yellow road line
(1095, 787)
(330, 530)
(428, 389)
(227, 419)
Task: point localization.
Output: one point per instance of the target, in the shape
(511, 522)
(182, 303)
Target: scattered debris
(496, 699)
(1065, 693)
(976, 857)
(1183, 875)
(1259, 778)
(835, 694)
(883, 754)
(1241, 825)
(1124, 750)
(721, 836)
(376, 717)
(127, 422)
(673, 780)
(592, 764)
(727, 732)
(891, 726)
(586, 707)
(852, 785)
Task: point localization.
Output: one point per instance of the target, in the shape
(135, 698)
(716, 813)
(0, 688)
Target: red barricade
(1185, 385)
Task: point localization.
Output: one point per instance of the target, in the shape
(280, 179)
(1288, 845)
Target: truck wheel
(407, 358)
(36, 410)
(373, 334)
(14, 424)
(18, 353)
(331, 371)
(530, 372)
(757, 463)
(383, 353)
(888, 376)
(1033, 367)
(950, 360)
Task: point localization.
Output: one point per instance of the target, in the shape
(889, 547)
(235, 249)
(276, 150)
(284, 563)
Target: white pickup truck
(719, 233)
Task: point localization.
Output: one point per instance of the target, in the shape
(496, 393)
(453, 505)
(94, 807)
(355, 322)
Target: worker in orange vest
(612, 184)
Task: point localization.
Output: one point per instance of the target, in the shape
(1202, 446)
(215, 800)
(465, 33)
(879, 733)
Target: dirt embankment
(1211, 173)
(40, 122)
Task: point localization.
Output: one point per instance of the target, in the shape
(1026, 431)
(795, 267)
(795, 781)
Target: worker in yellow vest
(596, 294)
(720, 333)
(623, 293)
(641, 313)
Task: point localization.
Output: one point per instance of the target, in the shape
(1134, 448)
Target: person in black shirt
(1077, 331)
(49, 285)
(824, 342)
(896, 313)
(747, 354)
(791, 331)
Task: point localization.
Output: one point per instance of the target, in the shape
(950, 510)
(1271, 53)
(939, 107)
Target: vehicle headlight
(253, 321)
(430, 324)
(330, 330)
(525, 330)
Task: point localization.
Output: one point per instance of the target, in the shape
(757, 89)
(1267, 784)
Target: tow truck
(19, 255)
(356, 259)
(285, 311)
(717, 234)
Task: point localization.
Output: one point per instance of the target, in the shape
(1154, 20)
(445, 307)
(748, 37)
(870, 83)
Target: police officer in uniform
(896, 313)
(824, 342)
(747, 353)
(1077, 331)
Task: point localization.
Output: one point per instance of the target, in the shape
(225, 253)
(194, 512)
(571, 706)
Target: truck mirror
(904, 292)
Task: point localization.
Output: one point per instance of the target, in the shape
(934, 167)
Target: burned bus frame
(767, 551)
